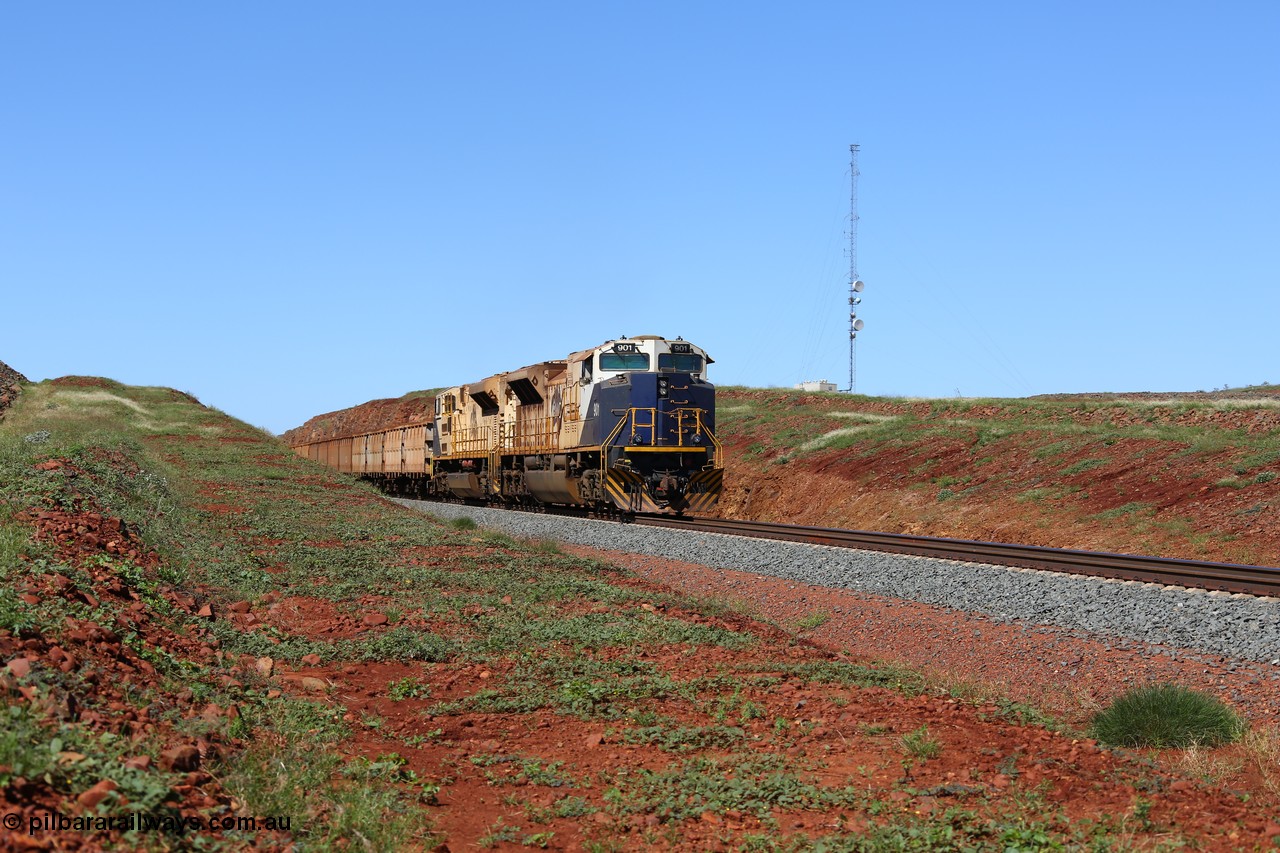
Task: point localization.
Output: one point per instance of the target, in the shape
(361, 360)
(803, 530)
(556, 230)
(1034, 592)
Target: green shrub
(1165, 715)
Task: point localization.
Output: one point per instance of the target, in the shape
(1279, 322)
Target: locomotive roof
(583, 355)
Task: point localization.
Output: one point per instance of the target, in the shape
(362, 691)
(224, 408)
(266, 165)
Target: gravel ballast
(1239, 626)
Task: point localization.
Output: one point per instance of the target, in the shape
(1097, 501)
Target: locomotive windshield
(624, 361)
(680, 362)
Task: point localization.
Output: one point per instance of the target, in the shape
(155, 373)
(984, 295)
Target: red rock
(180, 759)
(373, 620)
(311, 660)
(239, 607)
(20, 667)
(593, 740)
(89, 799)
(1182, 785)
(138, 762)
(205, 612)
(29, 598)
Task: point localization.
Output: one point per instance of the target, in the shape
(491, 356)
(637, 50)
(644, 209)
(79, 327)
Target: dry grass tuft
(1262, 746)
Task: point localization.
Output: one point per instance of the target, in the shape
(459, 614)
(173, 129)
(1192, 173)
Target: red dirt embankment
(415, 407)
(11, 382)
(1175, 475)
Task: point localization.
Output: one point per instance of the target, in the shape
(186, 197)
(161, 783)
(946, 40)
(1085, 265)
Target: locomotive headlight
(663, 385)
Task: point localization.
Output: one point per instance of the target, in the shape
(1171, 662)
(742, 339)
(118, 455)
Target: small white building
(817, 385)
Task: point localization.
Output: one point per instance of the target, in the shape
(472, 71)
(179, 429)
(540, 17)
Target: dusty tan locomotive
(628, 425)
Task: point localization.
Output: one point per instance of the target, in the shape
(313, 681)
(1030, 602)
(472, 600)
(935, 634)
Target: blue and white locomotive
(629, 424)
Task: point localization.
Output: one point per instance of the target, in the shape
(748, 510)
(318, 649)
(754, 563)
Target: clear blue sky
(287, 208)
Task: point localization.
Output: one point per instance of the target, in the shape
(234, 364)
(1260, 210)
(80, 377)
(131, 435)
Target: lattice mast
(855, 283)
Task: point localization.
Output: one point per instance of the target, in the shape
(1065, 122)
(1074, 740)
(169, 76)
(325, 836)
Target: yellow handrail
(698, 427)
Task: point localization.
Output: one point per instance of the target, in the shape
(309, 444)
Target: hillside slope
(11, 382)
(244, 650)
(1173, 475)
(416, 407)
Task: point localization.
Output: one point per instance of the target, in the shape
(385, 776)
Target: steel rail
(1225, 577)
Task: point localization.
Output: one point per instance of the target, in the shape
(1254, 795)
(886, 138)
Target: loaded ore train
(626, 426)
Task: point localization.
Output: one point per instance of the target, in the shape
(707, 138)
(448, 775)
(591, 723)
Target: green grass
(750, 784)
(678, 738)
(816, 619)
(901, 679)
(918, 744)
(522, 770)
(408, 688)
(131, 451)
(571, 685)
(1166, 715)
(34, 749)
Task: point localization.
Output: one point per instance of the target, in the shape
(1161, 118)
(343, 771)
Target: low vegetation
(1167, 715)
(1183, 475)
(196, 623)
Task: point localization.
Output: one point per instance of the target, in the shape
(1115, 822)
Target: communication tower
(855, 283)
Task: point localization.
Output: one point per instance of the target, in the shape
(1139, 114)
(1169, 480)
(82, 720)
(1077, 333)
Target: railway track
(1225, 577)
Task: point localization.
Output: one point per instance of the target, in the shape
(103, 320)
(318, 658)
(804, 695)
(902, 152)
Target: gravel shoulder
(1063, 643)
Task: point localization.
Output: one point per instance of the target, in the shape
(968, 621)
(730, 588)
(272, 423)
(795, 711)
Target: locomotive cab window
(624, 361)
(680, 362)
